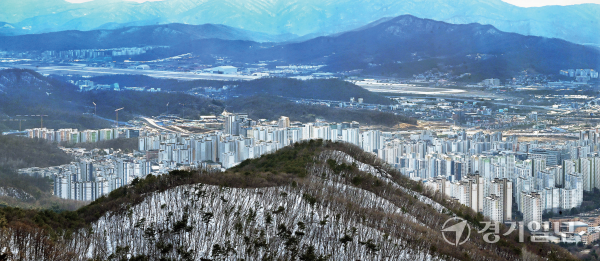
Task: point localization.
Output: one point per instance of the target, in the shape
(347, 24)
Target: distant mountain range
(407, 45)
(9, 29)
(575, 23)
(169, 34)
(402, 46)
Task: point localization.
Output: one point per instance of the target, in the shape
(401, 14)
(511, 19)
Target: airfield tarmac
(99, 71)
(406, 88)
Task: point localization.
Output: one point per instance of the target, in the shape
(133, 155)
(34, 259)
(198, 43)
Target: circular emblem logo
(458, 227)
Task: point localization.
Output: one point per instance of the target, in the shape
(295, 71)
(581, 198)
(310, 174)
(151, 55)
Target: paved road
(121, 123)
(543, 134)
(154, 125)
(98, 71)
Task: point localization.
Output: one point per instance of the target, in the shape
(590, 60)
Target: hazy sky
(523, 3)
(139, 1)
(531, 3)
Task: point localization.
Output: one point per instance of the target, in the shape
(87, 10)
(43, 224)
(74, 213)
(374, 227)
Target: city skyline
(299, 130)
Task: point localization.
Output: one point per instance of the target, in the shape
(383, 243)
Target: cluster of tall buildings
(590, 73)
(244, 138)
(71, 135)
(488, 172)
(581, 76)
(76, 136)
(490, 83)
(96, 53)
(92, 177)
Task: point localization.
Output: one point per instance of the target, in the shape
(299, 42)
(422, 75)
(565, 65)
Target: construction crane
(41, 118)
(183, 112)
(20, 120)
(117, 111)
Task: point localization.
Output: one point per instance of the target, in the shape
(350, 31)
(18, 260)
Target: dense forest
(26, 191)
(313, 200)
(20, 152)
(272, 107)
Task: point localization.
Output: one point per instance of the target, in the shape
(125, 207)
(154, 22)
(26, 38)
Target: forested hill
(25, 92)
(19, 152)
(323, 89)
(272, 107)
(406, 45)
(313, 200)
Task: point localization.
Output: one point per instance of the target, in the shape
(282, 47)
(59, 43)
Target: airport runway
(406, 89)
(98, 71)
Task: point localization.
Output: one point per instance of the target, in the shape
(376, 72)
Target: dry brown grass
(45, 203)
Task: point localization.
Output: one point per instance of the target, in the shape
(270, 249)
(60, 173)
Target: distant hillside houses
(222, 70)
(490, 83)
(97, 53)
(581, 75)
(142, 67)
(87, 85)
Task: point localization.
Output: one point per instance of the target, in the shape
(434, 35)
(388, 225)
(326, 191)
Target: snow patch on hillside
(15, 193)
(232, 216)
(342, 157)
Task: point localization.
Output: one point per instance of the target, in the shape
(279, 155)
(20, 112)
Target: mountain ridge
(408, 45)
(129, 37)
(402, 46)
(309, 17)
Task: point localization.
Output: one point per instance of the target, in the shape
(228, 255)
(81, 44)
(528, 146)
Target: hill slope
(312, 201)
(24, 190)
(272, 107)
(24, 92)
